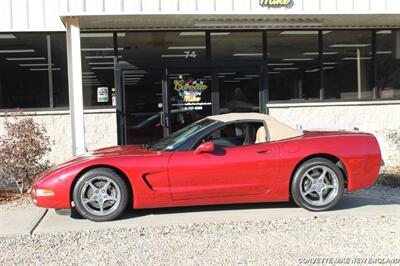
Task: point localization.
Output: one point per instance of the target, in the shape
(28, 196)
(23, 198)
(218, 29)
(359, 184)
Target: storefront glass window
(388, 63)
(239, 91)
(60, 70)
(97, 68)
(348, 64)
(236, 46)
(293, 65)
(186, 46)
(24, 75)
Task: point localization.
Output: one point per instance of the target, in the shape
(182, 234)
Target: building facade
(102, 72)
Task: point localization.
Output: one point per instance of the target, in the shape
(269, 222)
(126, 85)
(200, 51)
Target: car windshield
(173, 141)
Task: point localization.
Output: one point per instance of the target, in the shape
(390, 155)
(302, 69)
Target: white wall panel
(94, 6)
(169, 6)
(132, 6)
(188, 6)
(52, 19)
(256, 8)
(62, 6)
(235, 6)
(19, 14)
(76, 6)
(311, 6)
(113, 6)
(206, 5)
(344, 6)
(328, 6)
(224, 6)
(241, 6)
(5, 15)
(151, 6)
(362, 6)
(297, 7)
(36, 14)
(393, 4)
(378, 6)
(44, 15)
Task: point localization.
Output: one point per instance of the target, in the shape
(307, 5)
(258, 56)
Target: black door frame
(164, 69)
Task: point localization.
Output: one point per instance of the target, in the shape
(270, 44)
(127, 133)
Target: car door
(232, 171)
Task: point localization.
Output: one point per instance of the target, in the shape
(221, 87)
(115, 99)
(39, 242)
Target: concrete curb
(20, 221)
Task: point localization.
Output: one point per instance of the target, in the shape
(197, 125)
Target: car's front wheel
(317, 185)
(100, 195)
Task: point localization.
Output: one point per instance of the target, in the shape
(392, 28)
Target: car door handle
(264, 151)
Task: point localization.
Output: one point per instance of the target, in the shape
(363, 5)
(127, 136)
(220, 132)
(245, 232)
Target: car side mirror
(206, 147)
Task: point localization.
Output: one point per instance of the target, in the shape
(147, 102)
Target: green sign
(276, 3)
(102, 94)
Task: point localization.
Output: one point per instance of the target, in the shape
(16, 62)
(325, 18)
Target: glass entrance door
(189, 96)
(159, 102)
(143, 105)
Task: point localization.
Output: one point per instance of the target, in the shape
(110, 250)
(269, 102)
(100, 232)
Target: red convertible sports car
(223, 159)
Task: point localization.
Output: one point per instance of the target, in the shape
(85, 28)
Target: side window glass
(236, 134)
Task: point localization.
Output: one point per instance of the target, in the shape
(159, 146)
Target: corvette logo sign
(190, 90)
(276, 3)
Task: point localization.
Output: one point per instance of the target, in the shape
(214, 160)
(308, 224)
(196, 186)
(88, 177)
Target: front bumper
(51, 193)
(46, 201)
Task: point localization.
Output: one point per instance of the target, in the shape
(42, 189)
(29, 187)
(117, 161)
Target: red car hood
(127, 150)
(121, 150)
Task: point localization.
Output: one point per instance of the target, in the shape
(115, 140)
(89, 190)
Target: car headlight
(44, 192)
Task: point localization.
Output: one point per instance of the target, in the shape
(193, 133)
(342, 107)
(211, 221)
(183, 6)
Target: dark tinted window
(236, 45)
(348, 64)
(24, 70)
(293, 64)
(388, 61)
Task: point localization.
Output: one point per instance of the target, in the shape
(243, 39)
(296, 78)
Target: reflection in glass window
(239, 91)
(98, 67)
(60, 70)
(388, 63)
(143, 99)
(236, 46)
(293, 65)
(191, 93)
(24, 71)
(348, 64)
(163, 46)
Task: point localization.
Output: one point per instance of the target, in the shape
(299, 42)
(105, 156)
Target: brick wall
(100, 130)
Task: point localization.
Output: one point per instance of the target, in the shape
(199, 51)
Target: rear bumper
(367, 176)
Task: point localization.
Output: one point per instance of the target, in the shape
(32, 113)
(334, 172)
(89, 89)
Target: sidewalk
(20, 221)
(33, 220)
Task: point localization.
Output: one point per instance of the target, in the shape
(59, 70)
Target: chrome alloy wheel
(100, 195)
(319, 186)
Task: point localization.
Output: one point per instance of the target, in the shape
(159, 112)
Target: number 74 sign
(190, 54)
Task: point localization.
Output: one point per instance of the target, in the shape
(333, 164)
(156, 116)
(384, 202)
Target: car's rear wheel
(100, 195)
(317, 185)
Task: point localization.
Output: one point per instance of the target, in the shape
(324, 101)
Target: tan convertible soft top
(276, 130)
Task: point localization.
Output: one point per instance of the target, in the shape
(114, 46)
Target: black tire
(117, 187)
(333, 194)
